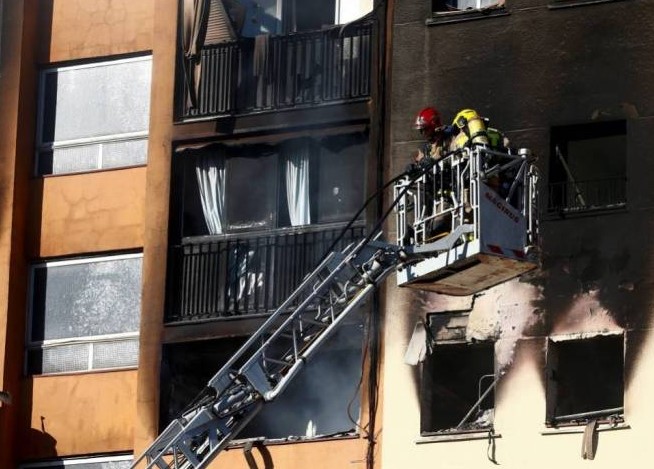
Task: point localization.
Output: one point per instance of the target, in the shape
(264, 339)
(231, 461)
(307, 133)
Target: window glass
(86, 298)
(341, 178)
(260, 16)
(84, 314)
(454, 5)
(251, 195)
(255, 187)
(94, 116)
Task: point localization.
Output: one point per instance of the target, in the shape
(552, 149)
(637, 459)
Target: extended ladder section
(268, 361)
(469, 221)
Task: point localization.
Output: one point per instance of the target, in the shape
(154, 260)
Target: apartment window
(458, 377)
(444, 6)
(322, 400)
(84, 314)
(588, 167)
(102, 462)
(585, 379)
(94, 116)
(259, 187)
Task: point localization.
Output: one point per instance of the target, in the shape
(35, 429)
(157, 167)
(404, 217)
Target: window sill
(576, 429)
(562, 214)
(561, 4)
(457, 436)
(236, 444)
(439, 18)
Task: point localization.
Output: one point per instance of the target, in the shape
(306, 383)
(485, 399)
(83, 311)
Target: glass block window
(84, 314)
(94, 116)
(105, 462)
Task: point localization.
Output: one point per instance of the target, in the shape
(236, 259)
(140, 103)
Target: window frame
(554, 421)
(43, 147)
(455, 16)
(319, 155)
(562, 136)
(452, 326)
(72, 462)
(35, 345)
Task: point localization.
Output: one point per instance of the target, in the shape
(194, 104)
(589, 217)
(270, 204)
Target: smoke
(317, 400)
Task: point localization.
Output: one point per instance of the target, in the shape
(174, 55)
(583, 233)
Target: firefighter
(428, 122)
(471, 130)
(436, 135)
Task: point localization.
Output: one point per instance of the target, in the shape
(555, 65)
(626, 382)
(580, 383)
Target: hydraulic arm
(269, 360)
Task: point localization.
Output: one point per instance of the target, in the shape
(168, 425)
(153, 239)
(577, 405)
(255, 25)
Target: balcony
(224, 277)
(583, 196)
(280, 72)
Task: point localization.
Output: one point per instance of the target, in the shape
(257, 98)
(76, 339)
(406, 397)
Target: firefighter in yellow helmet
(472, 129)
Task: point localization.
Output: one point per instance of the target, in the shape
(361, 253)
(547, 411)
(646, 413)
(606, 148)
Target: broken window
(588, 167)
(458, 379)
(585, 379)
(298, 182)
(322, 400)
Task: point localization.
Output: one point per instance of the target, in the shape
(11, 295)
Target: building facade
(552, 369)
(173, 170)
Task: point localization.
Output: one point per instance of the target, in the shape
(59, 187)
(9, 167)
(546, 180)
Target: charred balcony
(217, 277)
(275, 72)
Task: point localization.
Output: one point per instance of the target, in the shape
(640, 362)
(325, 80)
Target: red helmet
(428, 119)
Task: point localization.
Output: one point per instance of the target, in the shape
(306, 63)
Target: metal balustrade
(587, 195)
(280, 72)
(226, 277)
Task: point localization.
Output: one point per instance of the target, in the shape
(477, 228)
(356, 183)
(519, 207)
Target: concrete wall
(528, 71)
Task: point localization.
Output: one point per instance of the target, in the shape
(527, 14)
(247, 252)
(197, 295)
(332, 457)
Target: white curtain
(296, 159)
(210, 172)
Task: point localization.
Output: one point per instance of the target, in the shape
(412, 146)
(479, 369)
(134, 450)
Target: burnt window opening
(588, 167)
(221, 190)
(455, 377)
(322, 401)
(585, 380)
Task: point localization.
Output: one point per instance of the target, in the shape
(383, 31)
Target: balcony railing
(279, 72)
(568, 197)
(222, 278)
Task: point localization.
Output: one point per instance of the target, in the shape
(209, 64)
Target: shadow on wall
(41, 442)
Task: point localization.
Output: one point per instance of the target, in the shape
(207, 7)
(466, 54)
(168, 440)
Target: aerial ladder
(464, 223)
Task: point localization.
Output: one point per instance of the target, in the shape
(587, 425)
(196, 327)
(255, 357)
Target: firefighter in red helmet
(428, 122)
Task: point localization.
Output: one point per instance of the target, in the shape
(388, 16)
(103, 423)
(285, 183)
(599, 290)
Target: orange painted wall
(89, 212)
(83, 29)
(81, 414)
(334, 454)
